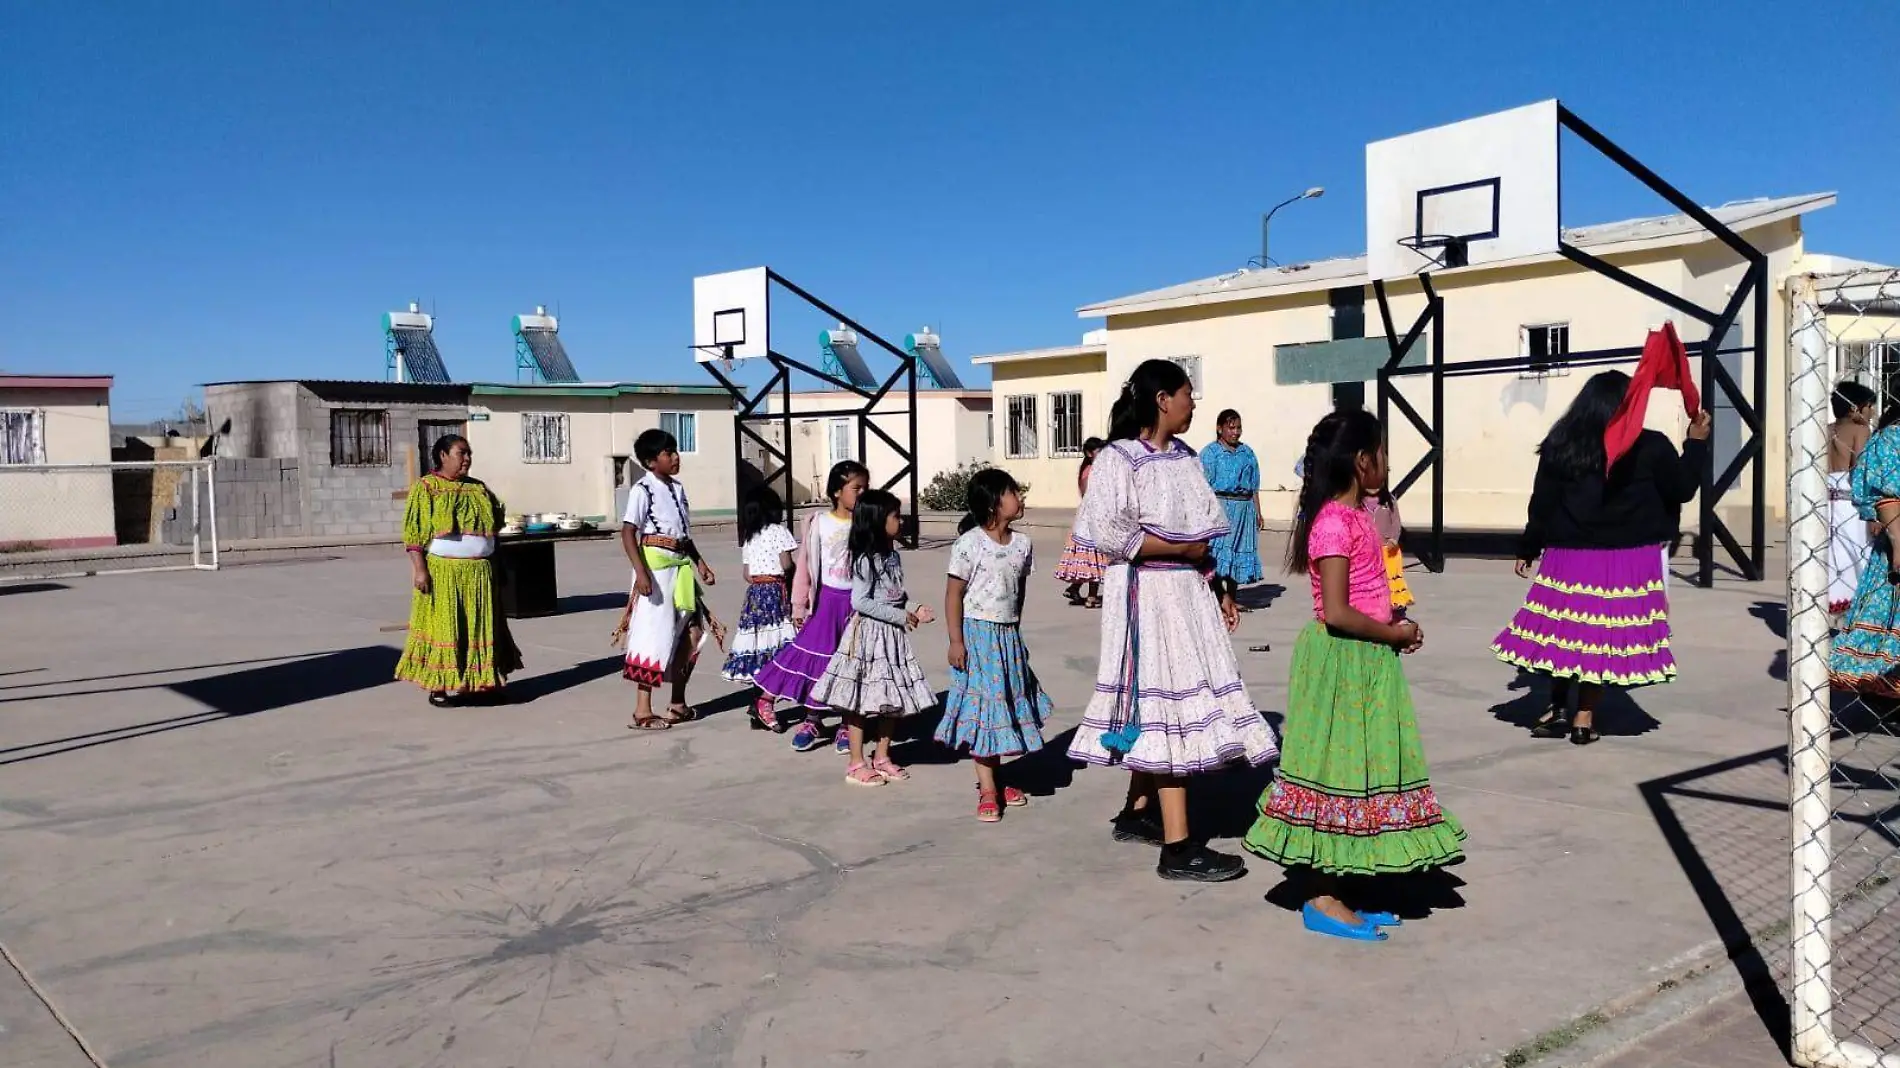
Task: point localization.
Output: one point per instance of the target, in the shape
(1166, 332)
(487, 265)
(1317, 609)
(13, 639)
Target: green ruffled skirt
(458, 638)
(1353, 796)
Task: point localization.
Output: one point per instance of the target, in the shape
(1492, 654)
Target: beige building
(564, 447)
(55, 419)
(1277, 345)
(953, 428)
(1049, 402)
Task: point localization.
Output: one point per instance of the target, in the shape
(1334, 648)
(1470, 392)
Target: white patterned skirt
(874, 672)
(1174, 678)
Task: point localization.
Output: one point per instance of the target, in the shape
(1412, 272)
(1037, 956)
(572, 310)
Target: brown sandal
(650, 722)
(679, 714)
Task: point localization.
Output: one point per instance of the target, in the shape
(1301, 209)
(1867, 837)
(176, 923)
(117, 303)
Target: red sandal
(987, 810)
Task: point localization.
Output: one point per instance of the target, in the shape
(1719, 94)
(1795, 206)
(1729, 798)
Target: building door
(427, 433)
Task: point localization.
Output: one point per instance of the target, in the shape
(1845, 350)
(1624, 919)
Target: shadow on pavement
(1716, 819)
(1617, 712)
(9, 589)
(234, 694)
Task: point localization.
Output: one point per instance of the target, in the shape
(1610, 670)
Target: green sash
(685, 583)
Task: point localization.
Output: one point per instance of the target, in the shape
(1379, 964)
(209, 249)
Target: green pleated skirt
(458, 638)
(1353, 796)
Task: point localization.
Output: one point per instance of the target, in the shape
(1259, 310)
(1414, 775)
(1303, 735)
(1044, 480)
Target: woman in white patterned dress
(1168, 699)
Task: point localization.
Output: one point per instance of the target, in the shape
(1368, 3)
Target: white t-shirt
(761, 554)
(991, 573)
(657, 506)
(834, 557)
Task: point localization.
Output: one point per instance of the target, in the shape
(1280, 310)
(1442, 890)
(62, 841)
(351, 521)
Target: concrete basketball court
(230, 840)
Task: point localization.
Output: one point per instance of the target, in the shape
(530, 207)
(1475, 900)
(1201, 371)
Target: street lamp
(1267, 220)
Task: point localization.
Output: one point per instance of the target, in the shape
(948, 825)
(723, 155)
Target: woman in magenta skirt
(1598, 612)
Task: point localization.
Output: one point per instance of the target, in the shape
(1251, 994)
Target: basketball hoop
(1438, 250)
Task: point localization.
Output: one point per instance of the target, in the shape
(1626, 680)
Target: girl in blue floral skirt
(996, 707)
(765, 620)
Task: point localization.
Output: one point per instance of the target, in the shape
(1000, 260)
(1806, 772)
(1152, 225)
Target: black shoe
(1554, 725)
(1583, 736)
(1137, 826)
(1194, 862)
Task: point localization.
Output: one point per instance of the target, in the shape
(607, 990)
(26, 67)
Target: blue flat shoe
(1380, 919)
(1320, 923)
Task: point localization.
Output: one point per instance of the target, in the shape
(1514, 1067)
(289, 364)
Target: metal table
(525, 569)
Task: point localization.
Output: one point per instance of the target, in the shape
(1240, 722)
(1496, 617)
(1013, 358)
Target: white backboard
(1492, 180)
(731, 309)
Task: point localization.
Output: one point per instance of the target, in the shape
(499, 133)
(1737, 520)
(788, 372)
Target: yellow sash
(1395, 577)
(685, 583)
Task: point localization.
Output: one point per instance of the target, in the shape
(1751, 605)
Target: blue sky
(201, 191)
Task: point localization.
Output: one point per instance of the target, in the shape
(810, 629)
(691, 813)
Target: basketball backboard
(1489, 184)
(731, 315)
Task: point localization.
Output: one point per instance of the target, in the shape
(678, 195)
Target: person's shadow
(1617, 713)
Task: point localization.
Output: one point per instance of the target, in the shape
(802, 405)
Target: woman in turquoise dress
(1866, 655)
(1234, 473)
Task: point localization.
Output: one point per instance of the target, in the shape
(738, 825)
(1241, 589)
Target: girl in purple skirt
(1598, 614)
(821, 605)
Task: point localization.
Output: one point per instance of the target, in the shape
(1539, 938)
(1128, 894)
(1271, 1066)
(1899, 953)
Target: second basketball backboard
(1484, 189)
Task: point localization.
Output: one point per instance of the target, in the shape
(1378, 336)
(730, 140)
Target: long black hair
(869, 523)
(1090, 448)
(440, 451)
(1331, 466)
(1574, 446)
(762, 508)
(842, 472)
(1136, 410)
(985, 496)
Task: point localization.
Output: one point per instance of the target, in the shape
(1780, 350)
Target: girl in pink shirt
(1353, 797)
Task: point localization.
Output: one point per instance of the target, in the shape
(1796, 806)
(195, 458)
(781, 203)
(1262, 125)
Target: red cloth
(1665, 365)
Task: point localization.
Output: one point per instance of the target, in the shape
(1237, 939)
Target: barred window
(1021, 432)
(544, 438)
(359, 437)
(684, 426)
(1546, 346)
(22, 436)
(1065, 423)
(1192, 365)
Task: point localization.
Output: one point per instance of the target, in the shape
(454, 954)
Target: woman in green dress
(458, 639)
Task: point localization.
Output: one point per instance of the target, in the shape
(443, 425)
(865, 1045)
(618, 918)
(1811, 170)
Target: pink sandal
(863, 775)
(1014, 798)
(987, 810)
(889, 770)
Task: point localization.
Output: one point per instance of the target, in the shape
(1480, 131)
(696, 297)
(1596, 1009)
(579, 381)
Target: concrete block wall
(363, 500)
(257, 498)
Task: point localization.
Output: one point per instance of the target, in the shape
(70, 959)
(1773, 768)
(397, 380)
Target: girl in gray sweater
(875, 675)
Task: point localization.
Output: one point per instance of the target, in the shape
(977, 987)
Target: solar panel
(928, 347)
(421, 360)
(550, 356)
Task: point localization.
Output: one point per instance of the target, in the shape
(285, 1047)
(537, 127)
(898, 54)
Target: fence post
(196, 524)
(1811, 1000)
(211, 490)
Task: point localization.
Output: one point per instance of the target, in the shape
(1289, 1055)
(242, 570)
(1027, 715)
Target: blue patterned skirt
(1237, 552)
(996, 706)
(765, 627)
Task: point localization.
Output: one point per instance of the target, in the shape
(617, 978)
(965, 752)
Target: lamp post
(1266, 220)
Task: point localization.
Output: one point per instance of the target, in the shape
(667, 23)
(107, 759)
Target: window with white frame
(840, 440)
(359, 437)
(22, 436)
(1544, 345)
(684, 426)
(1192, 365)
(1065, 424)
(1020, 435)
(544, 438)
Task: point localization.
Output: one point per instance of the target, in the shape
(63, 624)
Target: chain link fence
(1844, 750)
(65, 520)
